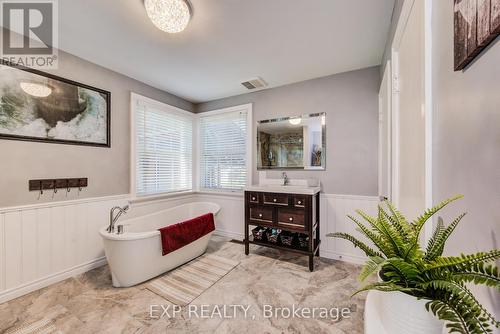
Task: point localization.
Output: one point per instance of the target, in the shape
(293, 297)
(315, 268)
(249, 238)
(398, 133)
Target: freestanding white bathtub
(136, 255)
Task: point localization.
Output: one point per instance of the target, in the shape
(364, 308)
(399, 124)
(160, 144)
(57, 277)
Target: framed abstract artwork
(477, 24)
(37, 106)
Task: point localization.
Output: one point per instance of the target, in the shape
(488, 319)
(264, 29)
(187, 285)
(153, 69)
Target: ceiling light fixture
(36, 89)
(295, 121)
(171, 16)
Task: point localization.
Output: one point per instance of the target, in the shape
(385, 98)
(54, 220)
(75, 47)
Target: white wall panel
(29, 245)
(43, 244)
(13, 249)
(334, 211)
(44, 241)
(333, 218)
(231, 218)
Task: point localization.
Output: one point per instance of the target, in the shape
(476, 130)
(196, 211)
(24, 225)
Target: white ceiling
(228, 41)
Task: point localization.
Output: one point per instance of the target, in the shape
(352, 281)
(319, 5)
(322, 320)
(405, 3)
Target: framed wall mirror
(292, 143)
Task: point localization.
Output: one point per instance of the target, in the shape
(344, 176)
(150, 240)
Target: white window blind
(163, 149)
(223, 150)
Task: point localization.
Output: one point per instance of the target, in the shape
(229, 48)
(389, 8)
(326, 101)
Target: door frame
(426, 102)
(387, 83)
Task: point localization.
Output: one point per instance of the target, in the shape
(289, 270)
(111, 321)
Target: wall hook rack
(55, 184)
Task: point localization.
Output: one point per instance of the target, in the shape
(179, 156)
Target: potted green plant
(425, 276)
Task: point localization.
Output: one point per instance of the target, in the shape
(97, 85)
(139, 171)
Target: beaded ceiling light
(171, 16)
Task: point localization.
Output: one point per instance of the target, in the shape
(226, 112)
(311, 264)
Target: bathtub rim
(129, 236)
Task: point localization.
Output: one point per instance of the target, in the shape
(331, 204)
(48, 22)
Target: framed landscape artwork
(37, 106)
(477, 24)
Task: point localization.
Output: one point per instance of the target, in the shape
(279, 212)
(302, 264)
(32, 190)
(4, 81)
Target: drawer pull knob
(260, 215)
(274, 199)
(290, 219)
(253, 198)
(299, 202)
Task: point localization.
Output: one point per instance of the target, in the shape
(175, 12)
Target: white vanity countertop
(291, 189)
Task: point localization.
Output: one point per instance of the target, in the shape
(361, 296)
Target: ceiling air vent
(255, 83)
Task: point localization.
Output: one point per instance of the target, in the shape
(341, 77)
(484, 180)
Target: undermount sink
(288, 189)
(294, 186)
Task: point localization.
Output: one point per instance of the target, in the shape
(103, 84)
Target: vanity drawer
(261, 214)
(276, 199)
(299, 201)
(291, 218)
(254, 197)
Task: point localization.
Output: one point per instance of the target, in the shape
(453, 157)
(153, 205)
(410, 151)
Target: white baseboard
(342, 257)
(227, 234)
(49, 280)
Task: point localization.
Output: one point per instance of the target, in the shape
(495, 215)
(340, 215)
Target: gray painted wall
(467, 141)
(351, 103)
(108, 169)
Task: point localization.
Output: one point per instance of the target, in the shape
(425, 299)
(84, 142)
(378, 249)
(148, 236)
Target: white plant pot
(401, 313)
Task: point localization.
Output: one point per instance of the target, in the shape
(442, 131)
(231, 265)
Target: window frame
(248, 108)
(134, 99)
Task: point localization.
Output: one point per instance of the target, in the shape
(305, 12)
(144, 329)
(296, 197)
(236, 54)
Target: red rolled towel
(179, 235)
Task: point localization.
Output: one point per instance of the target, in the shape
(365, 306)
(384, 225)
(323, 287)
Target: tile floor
(89, 304)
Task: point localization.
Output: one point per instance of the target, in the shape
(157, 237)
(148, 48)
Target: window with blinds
(223, 150)
(163, 148)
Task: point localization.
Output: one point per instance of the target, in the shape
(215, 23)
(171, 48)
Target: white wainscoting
(333, 218)
(231, 218)
(334, 210)
(46, 243)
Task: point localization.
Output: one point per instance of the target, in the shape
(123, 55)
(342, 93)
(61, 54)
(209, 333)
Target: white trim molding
(64, 203)
(424, 21)
(23, 289)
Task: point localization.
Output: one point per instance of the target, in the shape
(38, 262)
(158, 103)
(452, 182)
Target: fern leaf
(391, 234)
(462, 313)
(377, 240)
(420, 221)
(408, 271)
(443, 311)
(371, 267)
(479, 273)
(384, 287)
(457, 264)
(390, 248)
(399, 228)
(459, 289)
(436, 245)
(400, 219)
(436, 235)
(357, 243)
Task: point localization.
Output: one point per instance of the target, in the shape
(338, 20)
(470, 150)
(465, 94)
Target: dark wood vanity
(296, 213)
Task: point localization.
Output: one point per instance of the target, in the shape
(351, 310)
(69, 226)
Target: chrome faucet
(113, 219)
(286, 180)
